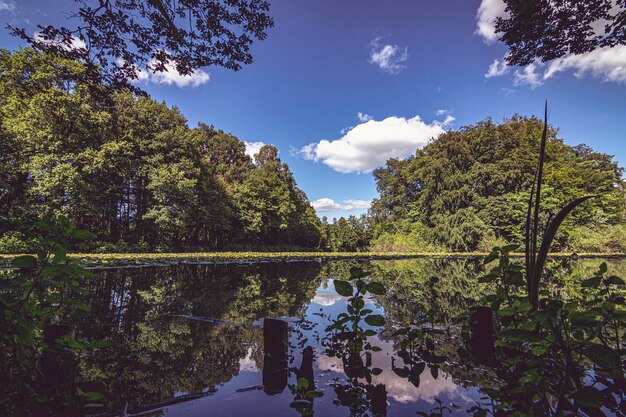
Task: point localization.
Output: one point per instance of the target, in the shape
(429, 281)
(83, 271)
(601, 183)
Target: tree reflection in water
(233, 337)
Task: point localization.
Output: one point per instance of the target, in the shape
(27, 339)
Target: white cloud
(363, 117)
(497, 68)
(8, 6)
(506, 91)
(441, 112)
(607, 64)
(488, 12)
(372, 143)
(528, 76)
(171, 76)
(76, 43)
(388, 58)
(328, 204)
(252, 148)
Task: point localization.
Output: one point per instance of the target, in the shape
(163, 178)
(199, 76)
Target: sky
(340, 87)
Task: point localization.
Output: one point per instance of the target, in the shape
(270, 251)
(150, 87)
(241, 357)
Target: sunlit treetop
(123, 36)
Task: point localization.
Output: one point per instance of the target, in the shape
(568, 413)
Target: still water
(193, 339)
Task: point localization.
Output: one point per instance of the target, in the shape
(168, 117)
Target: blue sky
(339, 86)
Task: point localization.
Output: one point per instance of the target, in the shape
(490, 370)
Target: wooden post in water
(275, 372)
(482, 337)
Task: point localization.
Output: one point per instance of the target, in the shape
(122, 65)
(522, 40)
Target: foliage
(347, 339)
(536, 255)
(546, 30)
(131, 170)
(45, 289)
(346, 235)
(183, 36)
(605, 239)
(471, 185)
(566, 356)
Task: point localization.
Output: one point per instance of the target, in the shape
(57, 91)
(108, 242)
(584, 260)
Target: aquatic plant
(536, 258)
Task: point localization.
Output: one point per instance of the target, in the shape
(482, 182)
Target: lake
(230, 339)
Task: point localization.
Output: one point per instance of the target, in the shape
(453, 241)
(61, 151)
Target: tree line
(131, 170)
(134, 172)
(469, 189)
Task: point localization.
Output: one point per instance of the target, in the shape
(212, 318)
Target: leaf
(376, 288)
(377, 371)
(357, 273)
(614, 280)
(588, 397)
(343, 288)
(491, 257)
(401, 372)
(510, 248)
(375, 320)
(604, 357)
(24, 262)
(434, 371)
(591, 282)
(546, 242)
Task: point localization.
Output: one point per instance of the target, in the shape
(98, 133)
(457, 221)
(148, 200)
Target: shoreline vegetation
(170, 258)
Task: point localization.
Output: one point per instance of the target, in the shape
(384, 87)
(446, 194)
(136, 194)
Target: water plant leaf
(375, 320)
(343, 288)
(24, 262)
(376, 288)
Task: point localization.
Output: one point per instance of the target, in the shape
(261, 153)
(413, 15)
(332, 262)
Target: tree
(131, 169)
(470, 185)
(123, 36)
(547, 30)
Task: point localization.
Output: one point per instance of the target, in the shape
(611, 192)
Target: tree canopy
(548, 30)
(131, 170)
(472, 185)
(122, 37)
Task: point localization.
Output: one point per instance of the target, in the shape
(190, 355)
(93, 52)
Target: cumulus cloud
(497, 68)
(328, 205)
(488, 12)
(372, 143)
(441, 112)
(8, 6)
(388, 57)
(607, 64)
(252, 148)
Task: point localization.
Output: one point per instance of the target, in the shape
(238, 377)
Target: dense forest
(132, 170)
(469, 190)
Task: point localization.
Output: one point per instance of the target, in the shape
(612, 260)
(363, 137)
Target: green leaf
(591, 282)
(376, 288)
(375, 320)
(605, 358)
(589, 397)
(24, 262)
(614, 280)
(377, 371)
(510, 248)
(357, 273)
(343, 288)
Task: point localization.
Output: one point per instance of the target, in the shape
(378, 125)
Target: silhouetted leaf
(376, 288)
(24, 262)
(343, 288)
(375, 320)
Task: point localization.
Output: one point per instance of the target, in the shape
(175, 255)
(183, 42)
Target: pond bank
(142, 259)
